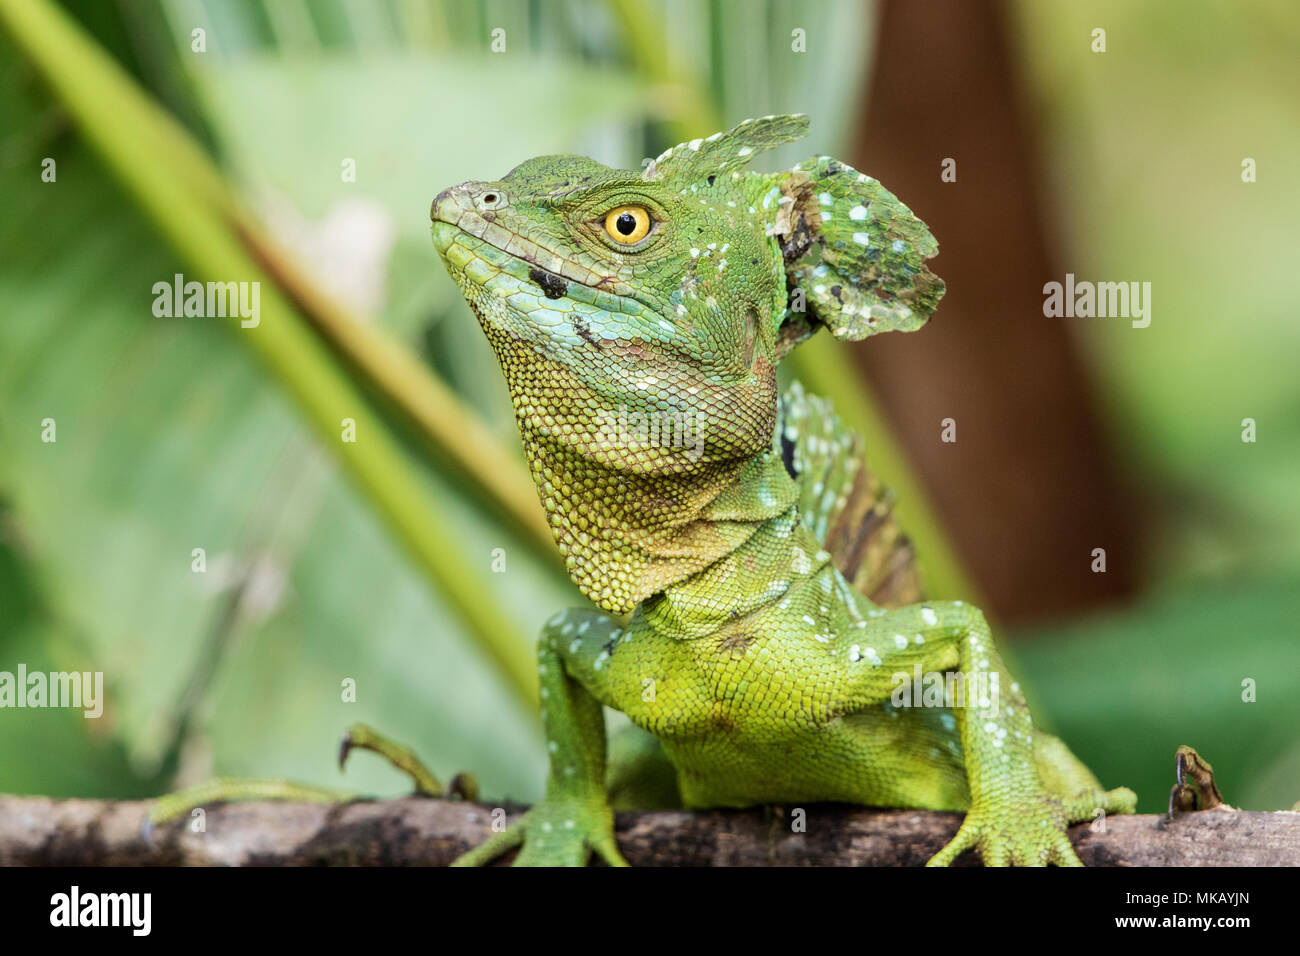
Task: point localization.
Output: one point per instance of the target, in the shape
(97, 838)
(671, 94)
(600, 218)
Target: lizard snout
(450, 204)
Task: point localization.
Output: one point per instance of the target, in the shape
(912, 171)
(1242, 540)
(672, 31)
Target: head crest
(855, 254)
(724, 152)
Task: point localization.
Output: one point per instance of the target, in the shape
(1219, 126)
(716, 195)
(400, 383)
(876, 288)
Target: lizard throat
(627, 536)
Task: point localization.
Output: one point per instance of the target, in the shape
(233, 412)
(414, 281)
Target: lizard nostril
(490, 198)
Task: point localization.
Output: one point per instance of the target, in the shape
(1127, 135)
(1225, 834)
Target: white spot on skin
(855, 653)
(862, 239)
(858, 213)
(928, 615)
(900, 641)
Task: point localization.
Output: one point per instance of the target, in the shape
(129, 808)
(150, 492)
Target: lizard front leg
(574, 817)
(1014, 818)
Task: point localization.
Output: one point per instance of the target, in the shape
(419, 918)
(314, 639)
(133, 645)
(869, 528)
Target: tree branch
(415, 831)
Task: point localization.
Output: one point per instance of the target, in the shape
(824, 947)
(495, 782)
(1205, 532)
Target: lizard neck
(626, 536)
(776, 560)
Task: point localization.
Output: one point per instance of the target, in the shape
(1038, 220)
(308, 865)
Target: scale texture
(759, 610)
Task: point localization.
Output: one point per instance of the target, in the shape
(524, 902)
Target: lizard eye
(627, 224)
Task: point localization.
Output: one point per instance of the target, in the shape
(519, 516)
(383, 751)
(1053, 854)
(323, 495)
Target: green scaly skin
(730, 632)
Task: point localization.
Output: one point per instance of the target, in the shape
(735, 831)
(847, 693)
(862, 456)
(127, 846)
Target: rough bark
(417, 831)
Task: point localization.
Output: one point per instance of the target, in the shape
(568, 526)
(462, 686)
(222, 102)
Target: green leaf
(168, 439)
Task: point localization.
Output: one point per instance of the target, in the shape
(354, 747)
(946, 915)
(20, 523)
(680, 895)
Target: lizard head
(677, 289)
(638, 315)
(630, 294)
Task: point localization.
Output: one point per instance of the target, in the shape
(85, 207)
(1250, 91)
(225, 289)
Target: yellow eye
(627, 224)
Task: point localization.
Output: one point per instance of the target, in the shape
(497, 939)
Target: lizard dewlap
(759, 605)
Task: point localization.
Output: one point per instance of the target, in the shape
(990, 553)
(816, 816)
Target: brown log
(417, 831)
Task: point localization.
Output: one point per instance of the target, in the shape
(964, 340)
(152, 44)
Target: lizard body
(731, 536)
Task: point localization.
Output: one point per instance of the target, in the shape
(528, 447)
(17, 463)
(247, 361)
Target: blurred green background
(176, 434)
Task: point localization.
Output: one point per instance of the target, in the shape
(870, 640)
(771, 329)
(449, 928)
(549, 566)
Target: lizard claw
(1032, 833)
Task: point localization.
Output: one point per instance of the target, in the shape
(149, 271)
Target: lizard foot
(556, 832)
(364, 737)
(1029, 832)
(1195, 788)
(359, 736)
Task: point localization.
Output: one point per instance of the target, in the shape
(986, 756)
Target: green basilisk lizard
(759, 612)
